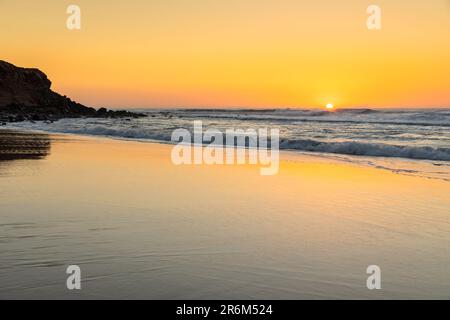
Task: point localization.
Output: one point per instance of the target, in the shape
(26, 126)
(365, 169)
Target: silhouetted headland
(25, 94)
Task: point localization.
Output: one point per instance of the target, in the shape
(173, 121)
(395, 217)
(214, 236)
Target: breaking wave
(368, 149)
(410, 134)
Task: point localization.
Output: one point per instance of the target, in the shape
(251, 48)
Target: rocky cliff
(25, 94)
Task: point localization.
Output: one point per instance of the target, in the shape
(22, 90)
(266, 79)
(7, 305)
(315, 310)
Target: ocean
(371, 136)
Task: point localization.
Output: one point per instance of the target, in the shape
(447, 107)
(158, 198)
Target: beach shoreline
(439, 170)
(130, 218)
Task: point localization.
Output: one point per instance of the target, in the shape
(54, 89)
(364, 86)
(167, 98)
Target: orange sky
(241, 53)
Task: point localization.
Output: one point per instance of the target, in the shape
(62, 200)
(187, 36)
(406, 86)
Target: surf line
(235, 146)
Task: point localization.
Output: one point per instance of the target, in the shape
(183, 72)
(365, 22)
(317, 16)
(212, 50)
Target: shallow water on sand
(140, 227)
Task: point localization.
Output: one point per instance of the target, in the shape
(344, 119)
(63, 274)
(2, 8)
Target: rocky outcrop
(25, 94)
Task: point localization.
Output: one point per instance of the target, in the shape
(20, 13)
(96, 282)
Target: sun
(329, 106)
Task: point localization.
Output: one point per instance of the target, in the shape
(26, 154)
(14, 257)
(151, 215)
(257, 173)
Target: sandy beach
(141, 227)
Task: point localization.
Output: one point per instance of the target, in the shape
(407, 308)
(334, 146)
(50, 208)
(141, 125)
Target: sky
(235, 53)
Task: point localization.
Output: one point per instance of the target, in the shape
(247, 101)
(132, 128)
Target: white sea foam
(412, 134)
(369, 149)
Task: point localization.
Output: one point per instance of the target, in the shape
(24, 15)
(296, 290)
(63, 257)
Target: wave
(70, 126)
(368, 149)
(346, 147)
(393, 117)
(361, 137)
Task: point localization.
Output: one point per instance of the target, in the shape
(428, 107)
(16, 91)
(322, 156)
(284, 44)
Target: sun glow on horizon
(330, 106)
(249, 54)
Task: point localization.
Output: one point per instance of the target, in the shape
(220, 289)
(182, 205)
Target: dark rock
(102, 111)
(19, 118)
(37, 117)
(25, 94)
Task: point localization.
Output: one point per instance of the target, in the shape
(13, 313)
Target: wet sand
(141, 227)
(15, 145)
